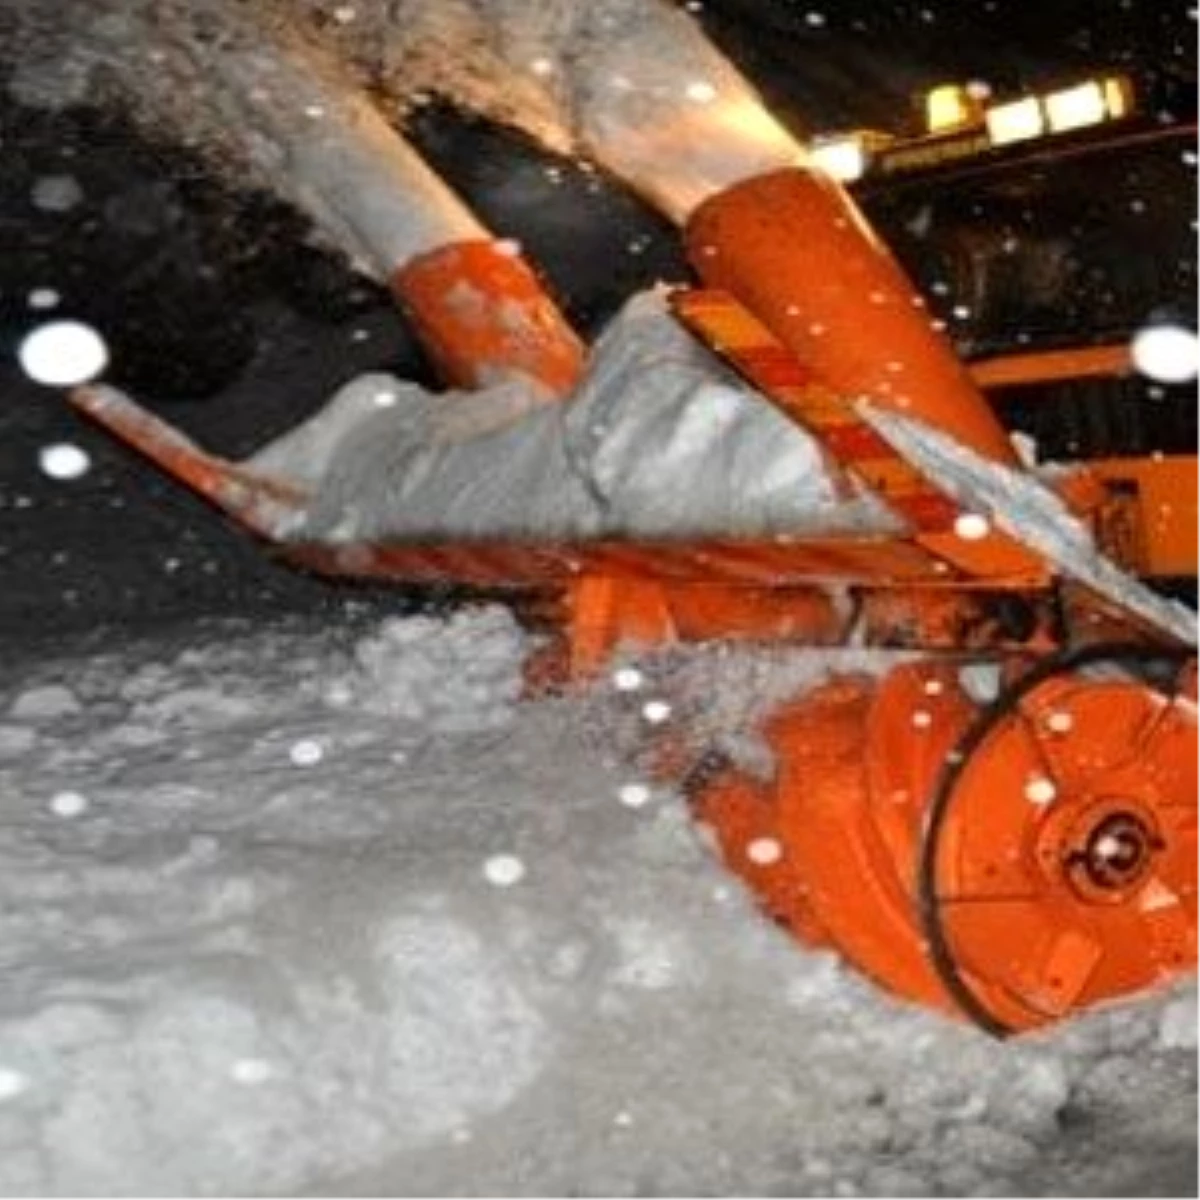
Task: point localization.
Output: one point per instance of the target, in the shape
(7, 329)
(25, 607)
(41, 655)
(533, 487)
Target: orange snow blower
(1013, 857)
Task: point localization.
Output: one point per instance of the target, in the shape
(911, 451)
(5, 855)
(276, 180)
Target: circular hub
(1015, 864)
(1059, 860)
(1116, 853)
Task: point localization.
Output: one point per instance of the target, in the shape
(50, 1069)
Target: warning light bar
(954, 106)
(960, 124)
(1015, 121)
(1088, 103)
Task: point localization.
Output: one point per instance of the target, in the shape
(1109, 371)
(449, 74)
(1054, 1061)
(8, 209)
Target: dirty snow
(659, 440)
(445, 957)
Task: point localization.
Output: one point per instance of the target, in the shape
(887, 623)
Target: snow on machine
(1003, 826)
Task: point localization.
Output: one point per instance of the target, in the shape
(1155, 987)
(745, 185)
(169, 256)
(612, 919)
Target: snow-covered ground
(301, 908)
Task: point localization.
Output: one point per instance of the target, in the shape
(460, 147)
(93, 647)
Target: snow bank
(658, 440)
(238, 969)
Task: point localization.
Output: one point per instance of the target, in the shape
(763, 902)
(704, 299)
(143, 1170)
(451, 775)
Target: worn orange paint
(762, 358)
(254, 500)
(482, 313)
(794, 249)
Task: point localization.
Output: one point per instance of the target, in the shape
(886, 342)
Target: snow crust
(231, 973)
(659, 440)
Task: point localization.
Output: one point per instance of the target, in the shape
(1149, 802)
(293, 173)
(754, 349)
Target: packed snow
(446, 954)
(659, 440)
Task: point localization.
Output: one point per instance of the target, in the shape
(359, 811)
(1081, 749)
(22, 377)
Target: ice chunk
(457, 675)
(49, 702)
(16, 740)
(1177, 1025)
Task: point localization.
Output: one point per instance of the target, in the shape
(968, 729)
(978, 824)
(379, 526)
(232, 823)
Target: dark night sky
(865, 59)
(236, 333)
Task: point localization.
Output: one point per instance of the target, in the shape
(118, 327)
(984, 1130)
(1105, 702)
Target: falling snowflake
(63, 461)
(12, 1083)
(56, 193)
(1167, 353)
(504, 870)
(1040, 790)
(68, 804)
(251, 1071)
(1060, 721)
(63, 354)
(634, 795)
(628, 679)
(972, 527)
(306, 753)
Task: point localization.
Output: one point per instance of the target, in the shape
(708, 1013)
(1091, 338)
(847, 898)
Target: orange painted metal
(604, 612)
(794, 249)
(534, 565)
(744, 342)
(808, 840)
(740, 338)
(1051, 366)
(1157, 498)
(256, 501)
(1067, 867)
(482, 313)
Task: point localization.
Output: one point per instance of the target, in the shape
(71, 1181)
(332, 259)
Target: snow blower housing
(1013, 859)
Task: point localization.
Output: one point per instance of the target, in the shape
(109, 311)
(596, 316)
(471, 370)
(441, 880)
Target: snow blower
(1013, 853)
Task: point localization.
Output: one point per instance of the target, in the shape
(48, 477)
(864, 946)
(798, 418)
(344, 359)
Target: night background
(221, 314)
